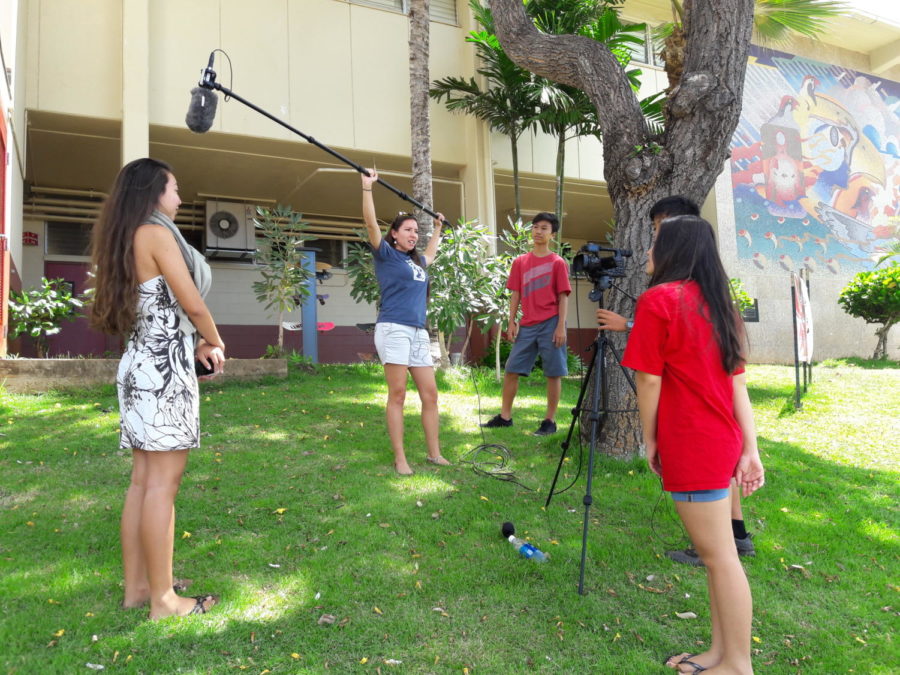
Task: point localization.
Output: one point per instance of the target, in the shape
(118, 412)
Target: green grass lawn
(291, 511)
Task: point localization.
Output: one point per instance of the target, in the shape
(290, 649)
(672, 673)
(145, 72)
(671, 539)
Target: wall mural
(815, 166)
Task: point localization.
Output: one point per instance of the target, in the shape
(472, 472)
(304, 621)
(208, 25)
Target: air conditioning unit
(230, 232)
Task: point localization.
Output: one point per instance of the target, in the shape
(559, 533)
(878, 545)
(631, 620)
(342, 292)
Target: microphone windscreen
(202, 111)
(507, 530)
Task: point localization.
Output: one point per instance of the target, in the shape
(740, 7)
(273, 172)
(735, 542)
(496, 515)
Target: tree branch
(580, 62)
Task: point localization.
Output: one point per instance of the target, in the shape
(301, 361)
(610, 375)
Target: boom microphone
(202, 111)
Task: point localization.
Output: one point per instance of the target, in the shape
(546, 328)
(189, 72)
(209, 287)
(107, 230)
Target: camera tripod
(597, 414)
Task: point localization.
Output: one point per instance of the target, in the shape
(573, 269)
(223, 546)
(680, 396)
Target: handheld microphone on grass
(202, 112)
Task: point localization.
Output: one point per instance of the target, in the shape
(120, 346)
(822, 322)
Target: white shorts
(403, 345)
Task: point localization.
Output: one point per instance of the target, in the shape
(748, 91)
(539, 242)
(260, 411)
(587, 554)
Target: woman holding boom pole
(400, 336)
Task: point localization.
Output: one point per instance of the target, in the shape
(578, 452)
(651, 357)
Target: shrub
(39, 312)
(874, 296)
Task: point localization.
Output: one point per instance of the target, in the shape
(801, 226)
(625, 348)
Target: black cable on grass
(490, 459)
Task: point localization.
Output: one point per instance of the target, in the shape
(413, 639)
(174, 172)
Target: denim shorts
(534, 340)
(403, 345)
(700, 495)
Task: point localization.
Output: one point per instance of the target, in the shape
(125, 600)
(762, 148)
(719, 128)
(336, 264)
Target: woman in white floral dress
(146, 288)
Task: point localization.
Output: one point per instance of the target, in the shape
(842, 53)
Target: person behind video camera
(539, 281)
(668, 207)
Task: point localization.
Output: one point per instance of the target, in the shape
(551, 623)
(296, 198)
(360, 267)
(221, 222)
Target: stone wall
(23, 376)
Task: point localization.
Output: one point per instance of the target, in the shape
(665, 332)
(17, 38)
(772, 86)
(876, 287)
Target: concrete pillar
(478, 175)
(135, 79)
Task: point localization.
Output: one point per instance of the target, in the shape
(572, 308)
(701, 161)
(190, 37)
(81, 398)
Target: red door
(76, 338)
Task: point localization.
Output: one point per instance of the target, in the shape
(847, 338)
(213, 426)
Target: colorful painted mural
(815, 166)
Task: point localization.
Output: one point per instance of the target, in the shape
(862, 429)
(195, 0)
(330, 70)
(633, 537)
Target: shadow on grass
(853, 361)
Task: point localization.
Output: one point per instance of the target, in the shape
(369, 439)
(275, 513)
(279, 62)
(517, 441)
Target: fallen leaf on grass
(327, 619)
(60, 632)
(377, 611)
(685, 615)
(364, 660)
(650, 589)
(279, 511)
(392, 662)
(295, 655)
(185, 535)
(800, 568)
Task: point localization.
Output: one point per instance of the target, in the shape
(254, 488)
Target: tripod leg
(629, 378)
(598, 417)
(576, 413)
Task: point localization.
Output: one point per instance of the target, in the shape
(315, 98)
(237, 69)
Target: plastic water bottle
(526, 550)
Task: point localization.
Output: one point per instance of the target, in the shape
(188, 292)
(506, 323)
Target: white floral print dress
(159, 400)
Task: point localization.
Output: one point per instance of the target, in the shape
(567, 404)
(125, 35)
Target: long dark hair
(685, 250)
(392, 239)
(134, 195)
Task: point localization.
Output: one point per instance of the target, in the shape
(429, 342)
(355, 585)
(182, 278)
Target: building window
(329, 251)
(648, 53)
(68, 239)
(439, 10)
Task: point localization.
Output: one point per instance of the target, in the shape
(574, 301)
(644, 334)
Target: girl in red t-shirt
(687, 346)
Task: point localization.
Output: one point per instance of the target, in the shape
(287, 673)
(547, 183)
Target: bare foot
(141, 597)
(401, 466)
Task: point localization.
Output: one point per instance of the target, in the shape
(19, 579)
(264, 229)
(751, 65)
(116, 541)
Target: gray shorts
(403, 345)
(534, 340)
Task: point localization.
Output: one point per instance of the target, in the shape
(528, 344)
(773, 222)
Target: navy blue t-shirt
(404, 287)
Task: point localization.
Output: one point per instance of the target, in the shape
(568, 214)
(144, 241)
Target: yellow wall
(325, 66)
(84, 77)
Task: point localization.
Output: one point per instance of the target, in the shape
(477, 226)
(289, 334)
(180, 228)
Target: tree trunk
(281, 332)
(560, 180)
(420, 124)
(701, 112)
(514, 141)
(881, 347)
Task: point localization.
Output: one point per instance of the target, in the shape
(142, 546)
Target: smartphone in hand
(202, 370)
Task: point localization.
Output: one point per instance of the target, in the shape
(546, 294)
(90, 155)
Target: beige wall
(281, 52)
(233, 303)
(74, 57)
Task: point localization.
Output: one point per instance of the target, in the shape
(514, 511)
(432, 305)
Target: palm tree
(419, 119)
(774, 22)
(507, 104)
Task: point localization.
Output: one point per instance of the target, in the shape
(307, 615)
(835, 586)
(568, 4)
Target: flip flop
(201, 608)
(684, 658)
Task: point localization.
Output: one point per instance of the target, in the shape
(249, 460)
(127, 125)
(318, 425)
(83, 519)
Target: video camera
(595, 261)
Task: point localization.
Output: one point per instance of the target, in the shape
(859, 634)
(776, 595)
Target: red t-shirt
(697, 435)
(539, 282)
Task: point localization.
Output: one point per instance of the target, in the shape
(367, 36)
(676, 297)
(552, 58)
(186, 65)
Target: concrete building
(93, 84)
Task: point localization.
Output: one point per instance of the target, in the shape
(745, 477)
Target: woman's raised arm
(368, 208)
